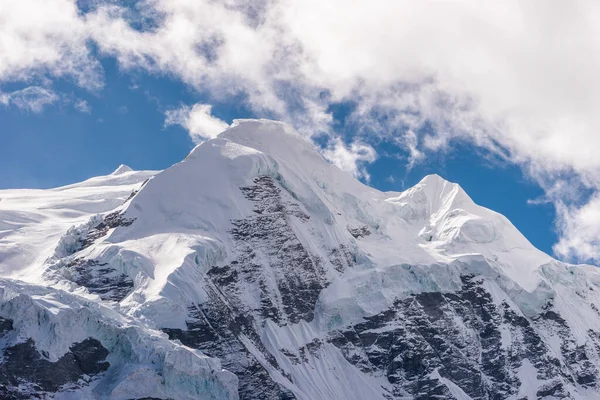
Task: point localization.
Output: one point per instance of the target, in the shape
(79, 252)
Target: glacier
(255, 269)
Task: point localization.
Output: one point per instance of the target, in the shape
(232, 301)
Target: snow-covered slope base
(255, 269)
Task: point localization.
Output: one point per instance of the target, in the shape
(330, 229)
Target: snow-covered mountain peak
(282, 143)
(251, 147)
(273, 264)
(200, 198)
(436, 186)
(450, 224)
(121, 169)
(266, 135)
(213, 172)
(441, 217)
(433, 194)
(275, 139)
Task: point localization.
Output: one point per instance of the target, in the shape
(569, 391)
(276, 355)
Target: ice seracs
(256, 257)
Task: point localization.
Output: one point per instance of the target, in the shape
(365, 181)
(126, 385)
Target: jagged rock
(26, 373)
(112, 220)
(293, 275)
(458, 335)
(80, 237)
(99, 278)
(220, 333)
(359, 232)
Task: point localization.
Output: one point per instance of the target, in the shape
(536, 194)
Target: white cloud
(518, 78)
(45, 37)
(82, 106)
(351, 158)
(198, 121)
(32, 98)
(580, 227)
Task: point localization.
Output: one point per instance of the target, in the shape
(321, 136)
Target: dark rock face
(225, 325)
(99, 279)
(342, 258)
(419, 336)
(80, 237)
(575, 356)
(6, 325)
(219, 332)
(26, 373)
(359, 232)
(285, 279)
(458, 335)
(112, 220)
(268, 237)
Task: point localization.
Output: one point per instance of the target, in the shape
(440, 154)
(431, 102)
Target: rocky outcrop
(99, 278)
(468, 339)
(272, 277)
(26, 373)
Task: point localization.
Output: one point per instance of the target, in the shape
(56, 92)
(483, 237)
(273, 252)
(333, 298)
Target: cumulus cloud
(580, 227)
(351, 158)
(517, 78)
(197, 120)
(32, 98)
(47, 37)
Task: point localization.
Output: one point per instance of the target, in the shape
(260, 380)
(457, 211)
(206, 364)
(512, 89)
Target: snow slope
(31, 220)
(254, 268)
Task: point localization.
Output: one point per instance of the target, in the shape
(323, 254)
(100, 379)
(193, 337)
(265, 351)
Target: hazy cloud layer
(518, 78)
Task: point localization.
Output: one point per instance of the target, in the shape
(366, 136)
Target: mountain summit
(255, 269)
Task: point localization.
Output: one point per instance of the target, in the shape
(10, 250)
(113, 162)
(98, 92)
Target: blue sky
(501, 99)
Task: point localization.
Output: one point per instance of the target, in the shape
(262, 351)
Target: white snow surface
(32, 221)
(419, 240)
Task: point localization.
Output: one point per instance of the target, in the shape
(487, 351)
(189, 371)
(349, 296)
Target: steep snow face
(452, 226)
(289, 279)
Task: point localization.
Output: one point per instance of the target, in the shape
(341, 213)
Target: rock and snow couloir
(255, 269)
